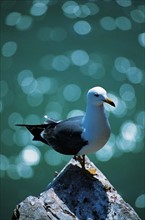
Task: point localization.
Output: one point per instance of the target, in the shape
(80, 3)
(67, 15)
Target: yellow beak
(109, 101)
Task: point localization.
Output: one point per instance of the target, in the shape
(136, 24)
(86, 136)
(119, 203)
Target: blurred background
(52, 52)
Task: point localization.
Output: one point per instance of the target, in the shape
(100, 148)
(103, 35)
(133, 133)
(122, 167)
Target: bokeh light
(14, 118)
(24, 22)
(13, 18)
(9, 48)
(52, 52)
(129, 131)
(140, 201)
(93, 8)
(141, 39)
(122, 64)
(130, 135)
(108, 23)
(124, 3)
(72, 92)
(60, 63)
(38, 9)
(35, 98)
(69, 8)
(138, 15)
(79, 57)
(123, 23)
(127, 92)
(44, 84)
(82, 27)
(24, 171)
(73, 10)
(75, 112)
(134, 75)
(21, 137)
(30, 155)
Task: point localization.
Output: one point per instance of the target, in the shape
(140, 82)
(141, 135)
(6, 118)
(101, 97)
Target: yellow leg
(91, 171)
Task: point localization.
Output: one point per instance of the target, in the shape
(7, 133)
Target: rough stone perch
(76, 195)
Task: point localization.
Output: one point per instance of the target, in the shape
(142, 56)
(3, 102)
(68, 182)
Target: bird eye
(96, 95)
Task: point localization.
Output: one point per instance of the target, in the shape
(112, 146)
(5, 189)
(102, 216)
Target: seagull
(79, 135)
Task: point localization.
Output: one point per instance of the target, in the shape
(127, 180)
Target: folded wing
(66, 136)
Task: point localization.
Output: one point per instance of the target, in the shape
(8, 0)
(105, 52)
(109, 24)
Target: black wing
(65, 136)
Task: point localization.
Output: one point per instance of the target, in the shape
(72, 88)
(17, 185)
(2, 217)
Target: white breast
(96, 131)
(95, 143)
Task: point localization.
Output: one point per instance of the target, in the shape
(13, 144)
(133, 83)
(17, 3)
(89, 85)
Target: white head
(97, 96)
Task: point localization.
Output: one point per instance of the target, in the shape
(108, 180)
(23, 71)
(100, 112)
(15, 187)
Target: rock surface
(76, 194)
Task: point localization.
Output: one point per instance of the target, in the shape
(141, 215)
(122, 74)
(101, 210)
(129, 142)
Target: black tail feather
(35, 130)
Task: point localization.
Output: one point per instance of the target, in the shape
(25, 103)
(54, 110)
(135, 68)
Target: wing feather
(66, 136)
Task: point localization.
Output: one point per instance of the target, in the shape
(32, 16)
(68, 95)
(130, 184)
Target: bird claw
(91, 171)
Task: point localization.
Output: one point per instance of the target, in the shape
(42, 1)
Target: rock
(76, 194)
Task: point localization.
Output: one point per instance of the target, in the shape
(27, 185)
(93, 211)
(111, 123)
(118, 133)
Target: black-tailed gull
(78, 135)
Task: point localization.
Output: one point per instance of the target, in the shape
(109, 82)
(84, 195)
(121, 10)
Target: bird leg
(81, 159)
(89, 171)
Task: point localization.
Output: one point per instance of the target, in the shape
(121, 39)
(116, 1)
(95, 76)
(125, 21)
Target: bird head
(97, 96)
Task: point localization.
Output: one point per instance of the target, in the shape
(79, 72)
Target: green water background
(52, 52)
